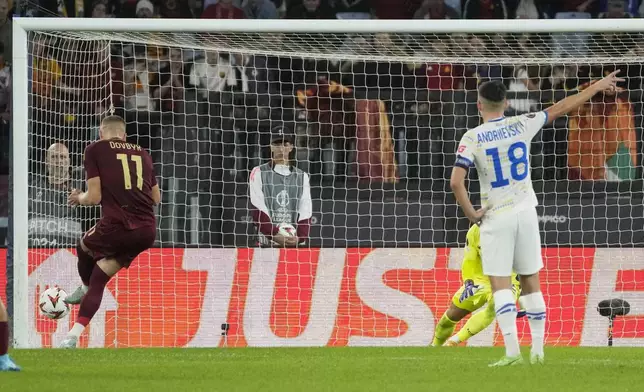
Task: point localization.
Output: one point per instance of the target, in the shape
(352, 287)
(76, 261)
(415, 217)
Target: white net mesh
(377, 118)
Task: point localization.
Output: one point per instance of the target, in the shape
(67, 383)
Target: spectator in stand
(145, 9)
(87, 78)
(356, 9)
(260, 9)
(101, 10)
(444, 76)
(529, 9)
(573, 45)
(176, 8)
(214, 73)
(208, 3)
(635, 72)
(6, 35)
(478, 73)
(311, 9)
(172, 81)
(395, 9)
(485, 9)
(65, 8)
(46, 72)
(436, 9)
(616, 9)
(138, 86)
(526, 78)
(631, 6)
(575, 9)
(223, 9)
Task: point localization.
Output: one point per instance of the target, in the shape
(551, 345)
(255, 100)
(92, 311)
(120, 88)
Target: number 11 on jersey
(127, 178)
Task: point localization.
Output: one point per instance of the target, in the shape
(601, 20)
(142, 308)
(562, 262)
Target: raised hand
(72, 199)
(285, 241)
(609, 83)
(468, 290)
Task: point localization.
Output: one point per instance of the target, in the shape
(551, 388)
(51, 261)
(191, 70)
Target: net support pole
(19, 208)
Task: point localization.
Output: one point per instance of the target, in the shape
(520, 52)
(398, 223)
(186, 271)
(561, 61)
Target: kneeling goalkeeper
(473, 295)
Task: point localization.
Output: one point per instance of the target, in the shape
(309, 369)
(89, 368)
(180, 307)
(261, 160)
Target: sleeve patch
(463, 162)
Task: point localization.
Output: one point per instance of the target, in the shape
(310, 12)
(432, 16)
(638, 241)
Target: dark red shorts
(108, 240)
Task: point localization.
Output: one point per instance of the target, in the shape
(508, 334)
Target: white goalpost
(377, 108)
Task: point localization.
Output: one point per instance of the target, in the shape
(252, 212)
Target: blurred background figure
(51, 221)
(223, 9)
(145, 9)
(436, 9)
(260, 9)
(58, 166)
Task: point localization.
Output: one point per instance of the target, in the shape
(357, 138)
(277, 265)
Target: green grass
(322, 369)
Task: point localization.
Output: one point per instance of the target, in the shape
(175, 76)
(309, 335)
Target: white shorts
(511, 241)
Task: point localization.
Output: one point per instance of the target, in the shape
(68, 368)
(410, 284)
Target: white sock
(76, 330)
(506, 315)
(535, 308)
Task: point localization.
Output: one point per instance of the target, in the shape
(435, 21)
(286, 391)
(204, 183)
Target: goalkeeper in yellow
(473, 295)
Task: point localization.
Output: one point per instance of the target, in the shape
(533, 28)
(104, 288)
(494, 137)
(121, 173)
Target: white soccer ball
(52, 303)
(287, 230)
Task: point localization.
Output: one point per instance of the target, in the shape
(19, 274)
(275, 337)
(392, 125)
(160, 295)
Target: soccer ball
(287, 230)
(52, 303)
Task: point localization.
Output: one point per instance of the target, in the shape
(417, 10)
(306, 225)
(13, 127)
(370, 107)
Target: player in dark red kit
(6, 364)
(120, 177)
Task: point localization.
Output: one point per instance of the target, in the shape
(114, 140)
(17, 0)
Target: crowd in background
(71, 85)
(212, 109)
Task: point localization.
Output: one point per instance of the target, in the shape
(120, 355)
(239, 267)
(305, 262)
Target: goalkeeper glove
(469, 289)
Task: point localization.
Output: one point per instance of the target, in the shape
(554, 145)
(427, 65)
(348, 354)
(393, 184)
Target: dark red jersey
(127, 178)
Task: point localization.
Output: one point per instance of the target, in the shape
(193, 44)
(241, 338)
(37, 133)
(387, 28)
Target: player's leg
(6, 364)
(528, 265)
(497, 251)
(86, 263)
(104, 270)
(447, 323)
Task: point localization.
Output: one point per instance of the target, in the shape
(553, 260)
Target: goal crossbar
(420, 26)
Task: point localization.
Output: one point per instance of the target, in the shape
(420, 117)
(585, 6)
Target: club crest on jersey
(283, 199)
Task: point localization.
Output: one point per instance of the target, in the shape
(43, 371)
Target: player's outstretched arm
(574, 101)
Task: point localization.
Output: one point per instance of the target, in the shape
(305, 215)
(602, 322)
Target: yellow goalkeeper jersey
(472, 267)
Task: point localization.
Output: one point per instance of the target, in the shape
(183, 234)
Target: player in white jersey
(500, 151)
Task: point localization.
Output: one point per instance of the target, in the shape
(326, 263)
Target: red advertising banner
(323, 297)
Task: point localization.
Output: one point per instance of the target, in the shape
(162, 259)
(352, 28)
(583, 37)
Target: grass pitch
(322, 369)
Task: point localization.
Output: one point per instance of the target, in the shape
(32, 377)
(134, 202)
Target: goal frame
(20, 70)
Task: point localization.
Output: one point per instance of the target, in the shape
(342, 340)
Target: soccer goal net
(376, 110)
